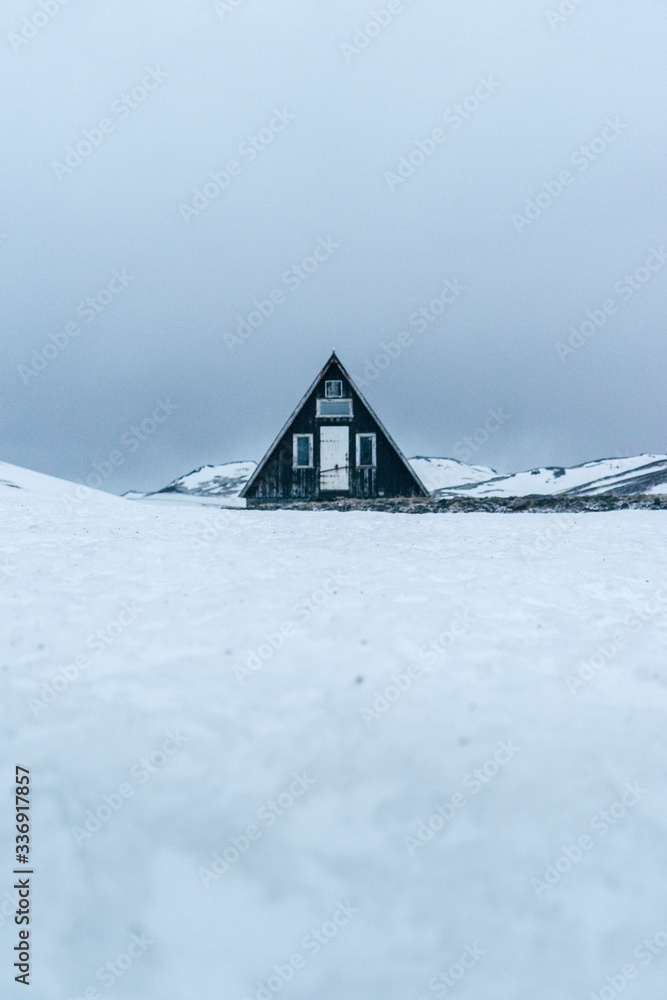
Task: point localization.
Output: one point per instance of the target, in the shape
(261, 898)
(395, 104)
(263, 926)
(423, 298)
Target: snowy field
(329, 756)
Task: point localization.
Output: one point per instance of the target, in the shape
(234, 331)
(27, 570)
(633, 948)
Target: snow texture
(354, 729)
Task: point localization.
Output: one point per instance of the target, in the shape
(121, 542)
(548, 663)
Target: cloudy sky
(199, 200)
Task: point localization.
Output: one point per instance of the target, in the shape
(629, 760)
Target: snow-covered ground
(324, 756)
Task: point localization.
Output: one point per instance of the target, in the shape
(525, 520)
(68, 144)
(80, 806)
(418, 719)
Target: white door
(334, 458)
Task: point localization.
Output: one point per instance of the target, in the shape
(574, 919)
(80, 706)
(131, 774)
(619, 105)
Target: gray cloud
(478, 106)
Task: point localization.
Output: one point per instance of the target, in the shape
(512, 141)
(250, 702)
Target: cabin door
(335, 458)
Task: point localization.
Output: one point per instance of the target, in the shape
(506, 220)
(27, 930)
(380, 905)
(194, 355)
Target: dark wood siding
(276, 479)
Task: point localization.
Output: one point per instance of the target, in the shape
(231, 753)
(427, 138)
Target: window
(334, 407)
(366, 451)
(333, 390)
(302, 451)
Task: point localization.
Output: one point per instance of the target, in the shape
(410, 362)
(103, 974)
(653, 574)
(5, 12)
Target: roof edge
(289, 420)
(333, 358)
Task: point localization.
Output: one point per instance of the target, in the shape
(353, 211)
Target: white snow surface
(169, 604)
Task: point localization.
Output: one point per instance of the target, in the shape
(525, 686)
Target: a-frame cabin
(333, 446)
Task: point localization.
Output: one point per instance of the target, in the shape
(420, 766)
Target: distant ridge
(446, 477)
(208, 484)
(620, 476)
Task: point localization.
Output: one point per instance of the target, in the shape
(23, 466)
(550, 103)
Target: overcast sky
(363, 161)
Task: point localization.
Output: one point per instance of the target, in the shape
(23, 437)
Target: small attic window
(333, 390)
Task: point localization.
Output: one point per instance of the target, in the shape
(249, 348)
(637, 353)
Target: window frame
(332, 395)
(295, 451)
(373, 436)
(335, 416)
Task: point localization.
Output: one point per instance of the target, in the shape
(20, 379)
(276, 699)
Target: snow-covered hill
(16, 478)
(623, 476)
(220, 485)
(325, 756)
(215, 484)
(210, 484)
(448, 473)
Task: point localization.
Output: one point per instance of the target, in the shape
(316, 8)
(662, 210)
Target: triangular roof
(334, 359)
